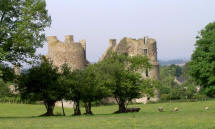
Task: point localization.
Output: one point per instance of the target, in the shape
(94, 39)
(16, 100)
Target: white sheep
(176, 109)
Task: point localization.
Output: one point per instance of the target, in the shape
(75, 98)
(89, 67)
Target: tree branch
(2, 17)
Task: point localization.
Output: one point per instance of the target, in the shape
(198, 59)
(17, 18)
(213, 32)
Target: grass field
(191, 115)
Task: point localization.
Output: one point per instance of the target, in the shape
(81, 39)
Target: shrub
(165, 97)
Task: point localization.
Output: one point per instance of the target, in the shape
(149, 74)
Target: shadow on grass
(27, 117)
(18, 117)
(84, 115)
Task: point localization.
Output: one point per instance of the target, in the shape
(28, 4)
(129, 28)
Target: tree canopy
(22, 25)
(41, 83)
(202, 64)
(72, 81)
(121, 74)
(83, 85)
(93, 88)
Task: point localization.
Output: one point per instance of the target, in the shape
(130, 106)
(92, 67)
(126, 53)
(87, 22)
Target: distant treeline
(174, 61)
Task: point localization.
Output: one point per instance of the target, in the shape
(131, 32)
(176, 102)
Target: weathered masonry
(146, 46)
(69, 52)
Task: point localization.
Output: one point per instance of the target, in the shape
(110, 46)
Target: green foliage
(202, 64)
(93, 89)
(116, 76)
(185, 73)
(41, 83)
(7, 73)
(4, 90)
(167, 76)
(15, 99)
(83, 85)
(6, 78)
(120, 74)
(170, 90)
(171, 71)
(186, 91)
(22, 25)
(73, 84)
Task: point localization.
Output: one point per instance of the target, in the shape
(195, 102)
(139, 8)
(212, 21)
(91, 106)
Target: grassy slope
(191, 115)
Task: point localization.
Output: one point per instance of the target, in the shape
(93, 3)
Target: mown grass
(191, 115)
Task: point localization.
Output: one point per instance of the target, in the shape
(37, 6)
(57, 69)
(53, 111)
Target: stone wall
(146, 46)
(69, 52)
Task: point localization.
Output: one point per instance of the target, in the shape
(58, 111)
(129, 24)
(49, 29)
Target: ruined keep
(69, 52)
(74, 54)
(146, 46)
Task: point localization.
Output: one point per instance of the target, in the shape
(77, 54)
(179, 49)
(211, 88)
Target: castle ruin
(74, 54)
(69, 52)
(146, 46)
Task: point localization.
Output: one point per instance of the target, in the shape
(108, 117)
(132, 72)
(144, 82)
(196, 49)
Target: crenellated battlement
(145, 46)
(52, 39)
(70, 52)
(112, 42)
(69, 39)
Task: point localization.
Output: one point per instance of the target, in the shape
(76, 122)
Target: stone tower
(69, 52)
(146, 46)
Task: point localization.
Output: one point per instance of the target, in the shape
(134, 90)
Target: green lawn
(191, 115)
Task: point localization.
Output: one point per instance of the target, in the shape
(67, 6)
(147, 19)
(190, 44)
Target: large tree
(202, 64)
(94, 88)
(121, 74)
(41, 83)
(22, 25)
(73, 82)
(83, 85)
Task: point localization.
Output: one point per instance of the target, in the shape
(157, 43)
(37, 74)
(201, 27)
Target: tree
(4, 90)
(177, 70)
(202, 64)
(22, 25)
(121, 74)
(6, 76)
(72, 81)
(7, 73)
(93, 87)
(167, 75)
(41, 83)
(83, 85)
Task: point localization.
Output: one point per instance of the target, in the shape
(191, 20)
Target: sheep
(160, 109)
(176, 109)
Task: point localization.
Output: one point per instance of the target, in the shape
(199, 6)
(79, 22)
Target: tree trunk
(49, 108)
(88, 108)
(122, 107)
(77, 110)
(63, 108)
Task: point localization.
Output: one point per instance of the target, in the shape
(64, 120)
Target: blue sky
(173, 23)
